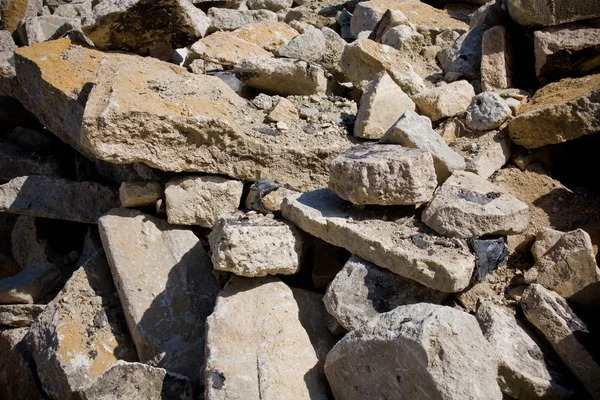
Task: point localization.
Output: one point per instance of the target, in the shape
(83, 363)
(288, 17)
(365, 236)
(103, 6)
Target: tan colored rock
(383, 174)
(496, 59)
(165, 284)
(553, 12)
(19, 315)
(284, 111)
(484, 152)
(13, 11)
(544, 240)
(390, 238)
(223, 19)
(445, 101)
(334, 48)
(140, 194)
(558, 112)
(467, 205)
(34, 30)
(17, 370)
(265, 340)
(269, 35)
(223, 47)
(199, 200)
(254, 245)
(79, 335)
(266, 197)
(310, 45)
(390, 19)
(566, 332)
(30, 286)
(56, 198)
(380, 107)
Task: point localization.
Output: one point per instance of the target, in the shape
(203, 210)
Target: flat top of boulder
(419, 13)
(563, 91)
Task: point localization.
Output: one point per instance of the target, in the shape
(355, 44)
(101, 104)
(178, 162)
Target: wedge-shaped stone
(125, 25)
(79, 335)
(426, 350)
(225, 48)
(19, 315)
(255, 245)
(166, 287)
(551, 12)
(308, 46)
(380, 107)
(269, 35)
(469, 206)
(17, 370)
(445, 101)
(497, 59)
(266, 341)
(412, 131)
(565, 331)
(383, 174)
(361, 290)
(41, 196)
(526, 370)
(30, 286)
(389, 237)
(126, 380)
(559, 112)
(199, 200)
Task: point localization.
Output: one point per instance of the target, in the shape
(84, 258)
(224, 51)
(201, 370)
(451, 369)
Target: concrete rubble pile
(307, 199)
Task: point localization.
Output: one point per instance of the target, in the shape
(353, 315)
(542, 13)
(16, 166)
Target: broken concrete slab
(383, 174)
(166, 287)
(484, 152)
(254, 245)
(269, 35)
(30, 286)
(445, 101)
(361, 290)
(285, 341)
(555, 12)
(308, 46)
(223, 19)
(406, 341)
(140, 194)
(17, 371)
(469, 206)
(19, 315)
(199, 200)
(224, 49)
(389, 237)
(56, 198)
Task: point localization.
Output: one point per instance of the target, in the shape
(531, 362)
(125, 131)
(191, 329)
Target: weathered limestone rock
(269, 35)
(123, 25)
(403, 349)
(166, 287)
(525, 370)
(484, 152)
(126, 380)
(17, 370)
(544, 240)
(496, 59)
(284, 111)
(17, 161)
(467, 205)
(282, 76)
(383, 174)
(361, 290)
(487, 111)
(79, 9)
(226, 48)
(198, 200)
(553, 317)
(29, 286)
(140, 194)
(308, 46)
(445, 101)
(308, 16)
(380, 107)
(271, 5)
(554, 12)
(78, 337)
(47, 27)
(559, 112)
(404, 38)
(266, 197)
(412, 131)
(28, 249)
(223, 19)
(255, 245)
(390, 19)
(464, 55)
(568, 267)
(362, 60)
(390, 238)
(265, 340)
(334, 48)
(570, 50)
(47, 197)
(13, 11)
(19, 315)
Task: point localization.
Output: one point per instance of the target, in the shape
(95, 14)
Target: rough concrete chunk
(566, 332)
(309, 46)
(404, 38)
(79, 335)
(568, 267)
(56, 198)
(265, 340)
(390, 238)
(361, 290)
(467, 205)
(551, 12)
(487, 111)
(445, 101)
(140, 194)
(383, 174)
(412, 131)
(484, 152)
(19, 315)
(29, 286)
(198, 200)
(17, 370)
(269, 35)
(125, 380)
(255, 245)
(225, 48)
(165, 284)
(426, 350)
(559, 112)
(525, 370)
(223, 19)
(544, 240)
(284, 111)
(380, 107)
(496, 59)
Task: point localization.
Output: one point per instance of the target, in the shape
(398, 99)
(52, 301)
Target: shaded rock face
(17, 371)
(553, 12)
